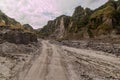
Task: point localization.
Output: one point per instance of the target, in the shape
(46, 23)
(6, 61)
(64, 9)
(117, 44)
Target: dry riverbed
(58, 62)
(14, 57)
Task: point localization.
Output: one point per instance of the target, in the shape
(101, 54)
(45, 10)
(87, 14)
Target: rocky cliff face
(12, 31)
(79, 20)
(104, 20)
(56, 28)
(61, 25)
(68, 27)
(28, 27)
(85, 23)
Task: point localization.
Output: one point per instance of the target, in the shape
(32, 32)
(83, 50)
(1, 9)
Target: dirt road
(67, 63)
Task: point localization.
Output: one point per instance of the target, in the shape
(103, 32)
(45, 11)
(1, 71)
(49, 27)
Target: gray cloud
(92, 1)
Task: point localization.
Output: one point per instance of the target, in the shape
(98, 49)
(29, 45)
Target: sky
(38, 12)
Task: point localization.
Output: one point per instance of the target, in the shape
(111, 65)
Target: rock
(56, 28)
(18, 36)
(28, 27)
(99, 46)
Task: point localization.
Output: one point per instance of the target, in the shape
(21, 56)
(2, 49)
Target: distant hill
(86, 23)
(12, 31)
(7, 21)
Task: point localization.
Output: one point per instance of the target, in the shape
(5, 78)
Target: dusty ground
(13, 58)
(57, 62)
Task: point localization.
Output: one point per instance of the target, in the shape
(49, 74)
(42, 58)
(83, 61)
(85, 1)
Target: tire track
(39, 68)
(47, 66)
(56, 70)
(102, 68)
(58, 62)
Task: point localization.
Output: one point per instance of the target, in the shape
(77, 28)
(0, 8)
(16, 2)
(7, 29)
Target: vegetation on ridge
(86, 23)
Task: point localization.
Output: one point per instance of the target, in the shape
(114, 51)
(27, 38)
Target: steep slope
(56, 28)
(105, 20)
(7, 21)
(66, 26)
(79, 20)
(85, 23)
(12, 31)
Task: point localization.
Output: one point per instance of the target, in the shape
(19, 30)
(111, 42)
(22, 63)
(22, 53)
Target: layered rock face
(56, 28)
(85, 23)
(61, 25)
(68, 27)
(17, 36)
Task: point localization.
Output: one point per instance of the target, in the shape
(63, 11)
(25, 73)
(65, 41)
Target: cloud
(91, 1)
(38, 12)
